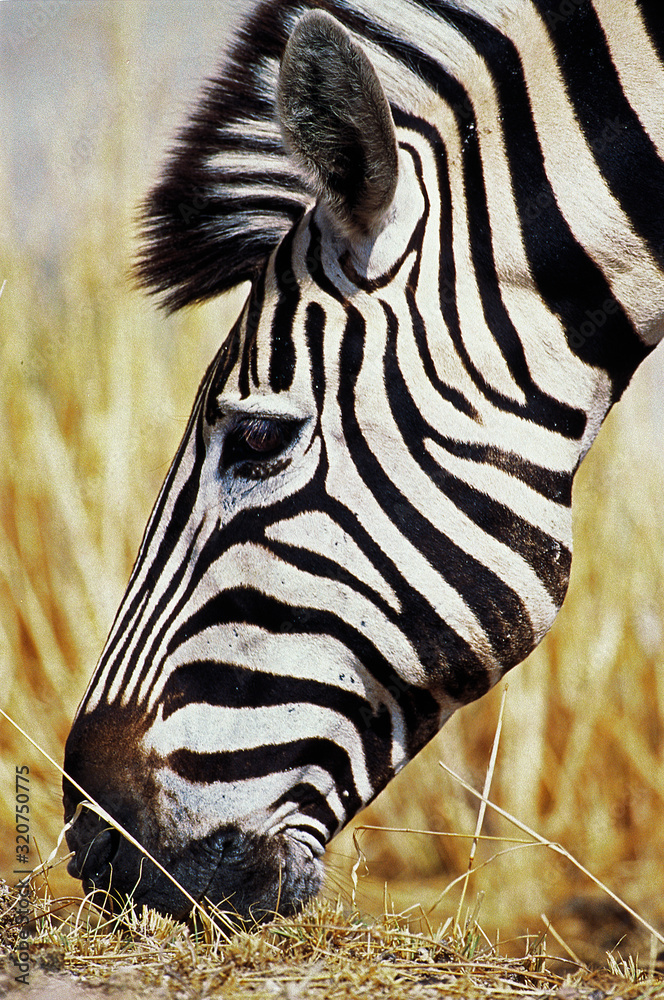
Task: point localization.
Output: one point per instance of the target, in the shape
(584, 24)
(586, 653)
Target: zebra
(451, 216)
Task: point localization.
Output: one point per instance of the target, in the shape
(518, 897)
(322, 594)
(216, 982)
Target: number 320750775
(22, 806)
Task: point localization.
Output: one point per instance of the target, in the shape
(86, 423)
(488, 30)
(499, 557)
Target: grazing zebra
(451, 213)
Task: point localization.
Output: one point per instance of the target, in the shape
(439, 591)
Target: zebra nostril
(93, 851)
(99, 853)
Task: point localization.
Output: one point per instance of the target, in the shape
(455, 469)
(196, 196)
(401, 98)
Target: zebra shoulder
(336, 120)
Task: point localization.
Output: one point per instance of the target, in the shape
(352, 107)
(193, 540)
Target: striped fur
(368, 520)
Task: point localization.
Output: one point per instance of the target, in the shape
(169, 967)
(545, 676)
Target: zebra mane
(229, 191)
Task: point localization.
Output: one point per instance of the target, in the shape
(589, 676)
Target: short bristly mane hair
(229, 191)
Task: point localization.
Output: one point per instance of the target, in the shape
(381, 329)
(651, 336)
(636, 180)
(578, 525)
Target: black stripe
(240, 765)
(311, 803)
(653, 18)
(252, 318)
(314, 263)
(223, 684)
(498, 608)
(622, 148)
(317, 565)
(314, 331)
(221, 368)
(282, 356)
(550, 560)
(556, 486)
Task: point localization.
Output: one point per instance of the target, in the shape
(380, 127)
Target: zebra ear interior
(337, 122)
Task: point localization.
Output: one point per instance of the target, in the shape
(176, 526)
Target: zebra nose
(94, 844)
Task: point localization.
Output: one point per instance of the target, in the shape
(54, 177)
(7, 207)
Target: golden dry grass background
(96, 389)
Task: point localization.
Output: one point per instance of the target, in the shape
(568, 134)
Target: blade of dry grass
(559, 849)
(483, 803)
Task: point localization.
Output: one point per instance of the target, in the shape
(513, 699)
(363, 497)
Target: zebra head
(368, 519)
(255, 689)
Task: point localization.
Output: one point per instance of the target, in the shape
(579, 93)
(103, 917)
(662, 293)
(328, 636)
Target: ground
(326, 952)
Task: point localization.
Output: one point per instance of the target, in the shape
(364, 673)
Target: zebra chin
(246, 875)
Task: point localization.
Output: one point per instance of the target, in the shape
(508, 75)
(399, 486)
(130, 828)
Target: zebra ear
(337, 122)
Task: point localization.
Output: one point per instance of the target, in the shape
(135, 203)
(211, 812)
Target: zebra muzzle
(249, 876)
(117, 873)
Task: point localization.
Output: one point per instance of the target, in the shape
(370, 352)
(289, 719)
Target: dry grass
(96, 390)
(326, 951)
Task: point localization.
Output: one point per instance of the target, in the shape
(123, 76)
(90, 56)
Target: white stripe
(592, 213)
(316, 532)
(246, 803)
(243, 223)
(300, 655)
(209, 729)
(240, 191)
(553, 518)
(250, 565)
(638, 65)
(277, 164)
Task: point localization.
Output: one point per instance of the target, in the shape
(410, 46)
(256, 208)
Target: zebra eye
(255, 440)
